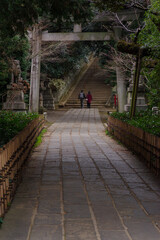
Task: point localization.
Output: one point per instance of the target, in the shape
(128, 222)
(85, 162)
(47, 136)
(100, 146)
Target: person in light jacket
(81, 96)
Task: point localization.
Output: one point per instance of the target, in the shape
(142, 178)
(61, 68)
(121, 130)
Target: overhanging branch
(133, 48)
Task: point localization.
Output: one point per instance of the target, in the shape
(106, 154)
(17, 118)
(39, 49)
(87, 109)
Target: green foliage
(56, 84)
(111, 79)
(150, 37)
(12, 48)
(69, 61)
(39, 138)
(121, 116)
(152, 76)
(16, 16)
(108, 134)
(112, 5)
(144, 120)
(1, 221)
(4, 73)
(154, 97)
(105, 60)
(15, 19)
(70, 10)
(12, 123)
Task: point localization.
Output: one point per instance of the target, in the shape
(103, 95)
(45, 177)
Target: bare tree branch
(124, 61)
(138, 5)
(121, 23)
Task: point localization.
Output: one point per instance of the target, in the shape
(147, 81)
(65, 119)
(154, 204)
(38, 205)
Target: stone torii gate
(37, 36)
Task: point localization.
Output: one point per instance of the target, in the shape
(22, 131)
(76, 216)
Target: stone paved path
(81, 185)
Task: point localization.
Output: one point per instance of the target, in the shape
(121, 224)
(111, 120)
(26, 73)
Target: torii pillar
(121, 83)
(36, 37)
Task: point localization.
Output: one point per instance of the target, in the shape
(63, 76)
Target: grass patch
(108, 133)
(113, 137)
(39, 138)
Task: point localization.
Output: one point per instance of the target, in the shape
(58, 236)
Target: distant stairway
(93, 81)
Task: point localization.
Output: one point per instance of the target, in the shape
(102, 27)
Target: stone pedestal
(46, 95)
(15, 101)
(141, 100)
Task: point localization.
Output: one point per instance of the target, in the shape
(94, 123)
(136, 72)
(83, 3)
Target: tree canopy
(16, 16)
(150, 38)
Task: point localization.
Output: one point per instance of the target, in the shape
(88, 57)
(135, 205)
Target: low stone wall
(145, 145)
(12, 157)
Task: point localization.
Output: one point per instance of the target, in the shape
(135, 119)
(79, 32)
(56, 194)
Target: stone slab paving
(80, 184)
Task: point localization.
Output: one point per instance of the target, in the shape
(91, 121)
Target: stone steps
(85, 105)
(93, 81)
(94, 101)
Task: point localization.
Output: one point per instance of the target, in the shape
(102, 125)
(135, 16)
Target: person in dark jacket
(81, 96)
(89, 99)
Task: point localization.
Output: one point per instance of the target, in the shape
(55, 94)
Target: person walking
(82, 97)
(89, 99)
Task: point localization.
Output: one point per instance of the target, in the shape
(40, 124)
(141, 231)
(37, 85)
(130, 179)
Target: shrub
(56, 84)
(144, 120)
(12, 123)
